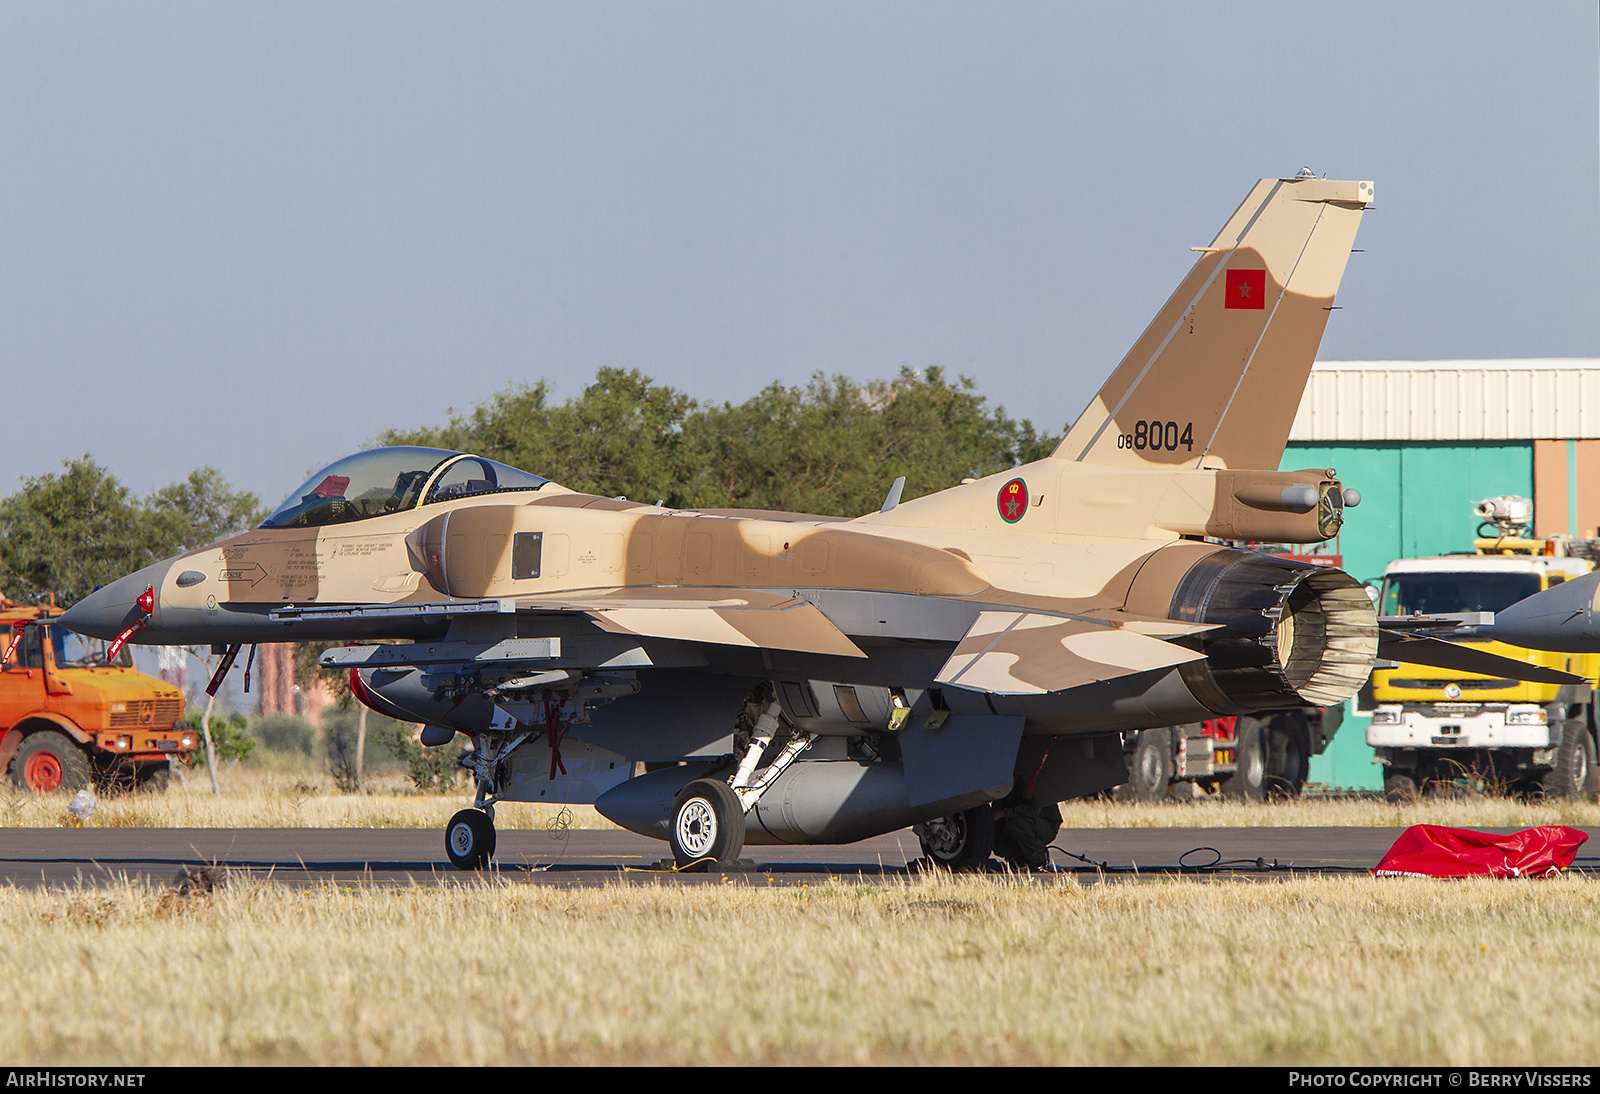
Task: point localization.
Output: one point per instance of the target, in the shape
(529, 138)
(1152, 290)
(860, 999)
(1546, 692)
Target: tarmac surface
(72, 857)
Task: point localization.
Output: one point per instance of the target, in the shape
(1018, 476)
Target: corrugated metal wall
(1450, 400)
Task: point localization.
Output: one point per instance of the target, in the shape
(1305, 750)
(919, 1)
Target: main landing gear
(708, 817)
(960, 841)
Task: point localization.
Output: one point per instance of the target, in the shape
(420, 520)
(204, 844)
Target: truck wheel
(1285, 746)
(1150, 768)
(1249, 779)
(46, 761)
(1399, 787)
(154, 779)
(1575, 774)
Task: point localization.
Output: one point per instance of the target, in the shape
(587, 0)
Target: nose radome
(105, 612)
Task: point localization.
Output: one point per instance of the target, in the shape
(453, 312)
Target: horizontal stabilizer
(1152, 626)
(1448, 655)
(1564, 618)
(1026, 653)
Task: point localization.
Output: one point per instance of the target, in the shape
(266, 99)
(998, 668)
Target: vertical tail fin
(1217, 377)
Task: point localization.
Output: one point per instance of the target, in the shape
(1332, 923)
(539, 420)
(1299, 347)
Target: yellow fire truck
(1432, 727)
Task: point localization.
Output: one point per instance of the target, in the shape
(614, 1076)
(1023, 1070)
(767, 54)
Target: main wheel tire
(1150, 772)
(1249, 779)
(962, 840)
(707, 824)
(1575, 774)
(469, 839)
(47, 761)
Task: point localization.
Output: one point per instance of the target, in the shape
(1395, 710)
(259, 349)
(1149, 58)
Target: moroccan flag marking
(1012, 500)
(1246, 289)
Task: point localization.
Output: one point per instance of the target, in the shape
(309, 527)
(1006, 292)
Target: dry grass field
(256, 797)
(262, 797)
(932, 971)
(937, 970)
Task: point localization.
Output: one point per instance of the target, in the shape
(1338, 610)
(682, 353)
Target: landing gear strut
(708, 821)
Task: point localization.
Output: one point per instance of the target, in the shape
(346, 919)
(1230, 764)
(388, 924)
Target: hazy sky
(254, 235)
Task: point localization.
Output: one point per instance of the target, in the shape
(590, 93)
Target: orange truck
(70, 718)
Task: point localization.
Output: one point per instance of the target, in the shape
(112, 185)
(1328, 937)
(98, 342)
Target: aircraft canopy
(388, 480)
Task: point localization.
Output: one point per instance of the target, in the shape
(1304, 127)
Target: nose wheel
(469, 839)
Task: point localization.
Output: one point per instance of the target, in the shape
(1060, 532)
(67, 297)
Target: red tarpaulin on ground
(1429, 850)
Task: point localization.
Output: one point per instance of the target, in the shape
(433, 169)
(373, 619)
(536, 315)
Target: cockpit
(390, 480)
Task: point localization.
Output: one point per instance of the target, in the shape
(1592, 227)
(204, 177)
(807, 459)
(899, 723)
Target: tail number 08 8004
(1158, 436)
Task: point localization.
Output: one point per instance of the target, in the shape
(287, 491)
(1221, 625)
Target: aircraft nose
(105, 612)
(1564, 618)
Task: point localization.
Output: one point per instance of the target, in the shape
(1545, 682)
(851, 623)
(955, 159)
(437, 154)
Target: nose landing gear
(469, 839)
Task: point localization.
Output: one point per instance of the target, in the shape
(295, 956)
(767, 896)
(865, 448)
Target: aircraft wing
(730, 617)
(785, 623)
(1028, 653)
(1004, 652)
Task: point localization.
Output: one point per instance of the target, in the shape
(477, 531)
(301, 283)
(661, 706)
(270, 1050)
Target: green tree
(622, 435)
(202, 509)
(230, 737)
(67, 533)
(833, 446)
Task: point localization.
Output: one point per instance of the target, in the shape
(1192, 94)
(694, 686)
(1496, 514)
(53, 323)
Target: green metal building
(1423, 441)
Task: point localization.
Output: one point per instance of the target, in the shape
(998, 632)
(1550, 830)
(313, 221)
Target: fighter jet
(793, 678)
